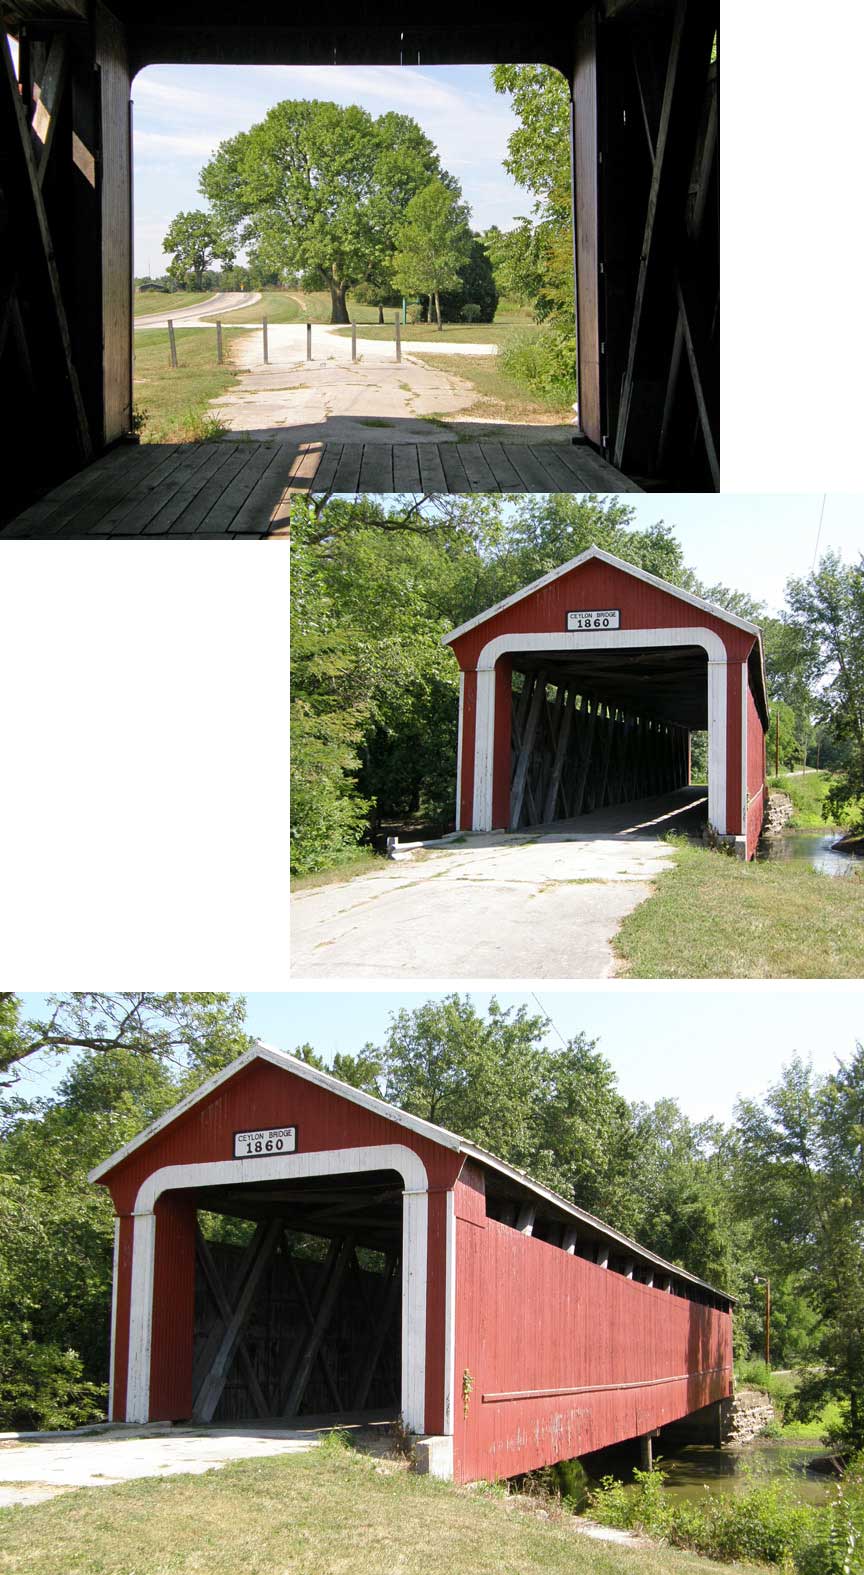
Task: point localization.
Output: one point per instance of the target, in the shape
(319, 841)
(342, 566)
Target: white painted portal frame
(620, 639)
(290, 1167)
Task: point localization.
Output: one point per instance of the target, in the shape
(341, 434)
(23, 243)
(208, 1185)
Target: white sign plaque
(608, 618)
(259, 1145)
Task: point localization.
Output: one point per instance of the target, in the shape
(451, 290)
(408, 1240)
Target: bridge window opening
(298, 1296)
(445, 124)
(598, 728)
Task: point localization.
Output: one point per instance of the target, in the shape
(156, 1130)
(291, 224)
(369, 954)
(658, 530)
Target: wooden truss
(573, 753)
(658, 252)
(279, 1336)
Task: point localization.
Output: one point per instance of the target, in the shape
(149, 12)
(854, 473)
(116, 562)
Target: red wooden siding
(531, 1318)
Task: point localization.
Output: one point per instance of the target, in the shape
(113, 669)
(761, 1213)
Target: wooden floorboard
(243, 489)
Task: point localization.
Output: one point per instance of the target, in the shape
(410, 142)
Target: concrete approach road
(36, 1466)
(190, 316)
(543, 905)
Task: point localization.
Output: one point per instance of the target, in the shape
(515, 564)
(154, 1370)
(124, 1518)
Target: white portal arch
(287, 1167)
(617, 639)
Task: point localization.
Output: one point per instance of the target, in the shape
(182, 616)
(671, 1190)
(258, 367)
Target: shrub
(471, 312)
(544, 362)
(42, 1386)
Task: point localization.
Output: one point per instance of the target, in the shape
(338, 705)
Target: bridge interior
(298, 1300)
(595, 728)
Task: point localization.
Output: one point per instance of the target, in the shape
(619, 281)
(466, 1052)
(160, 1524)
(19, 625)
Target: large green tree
(320, 188)
(800, 1180)
(196, 240)
(433, 242)
(827, 611)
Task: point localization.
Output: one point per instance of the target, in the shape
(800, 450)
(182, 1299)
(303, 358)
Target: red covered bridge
(383, 1266)
(582, 690)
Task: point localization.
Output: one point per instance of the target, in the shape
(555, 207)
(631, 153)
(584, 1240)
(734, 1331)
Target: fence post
(398, 340)
(172, 343)
(353, 341)
(308, 341)
(219, 343)
(266, 354)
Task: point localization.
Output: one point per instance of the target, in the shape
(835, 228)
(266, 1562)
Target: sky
(702, 1046)
(182, 113)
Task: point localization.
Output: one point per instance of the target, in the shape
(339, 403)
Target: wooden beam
(207, 1354)
(517, 793)
(209, 1395)
(223, 1307)
(323, 1315)
(569, 1238)
(561, 749)
(41, 252)
(309, 1315)
(390, 1302)
(525, 1219)
(48, 93)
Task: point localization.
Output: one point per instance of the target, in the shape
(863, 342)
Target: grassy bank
(712, 916)
(363, 862)
(497, 396)
(153, 303)
(807, 793)
(173, 401)
(309, 1515)
(427, 333)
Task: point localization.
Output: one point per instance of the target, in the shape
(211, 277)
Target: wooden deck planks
(242, 488)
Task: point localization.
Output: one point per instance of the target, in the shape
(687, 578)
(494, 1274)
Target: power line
(549, 1020)
(819, 531)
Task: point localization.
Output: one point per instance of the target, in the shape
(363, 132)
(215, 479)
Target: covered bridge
(643, 83)
(582, 690)
(380, 1265)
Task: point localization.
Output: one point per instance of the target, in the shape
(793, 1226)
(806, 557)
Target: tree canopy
(433, 241)
(319, 188)
(197, 240)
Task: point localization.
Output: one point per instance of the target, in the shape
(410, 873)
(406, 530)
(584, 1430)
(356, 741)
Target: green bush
(765, 1522)
(471, 312)
(42, 1386)
(544, 362)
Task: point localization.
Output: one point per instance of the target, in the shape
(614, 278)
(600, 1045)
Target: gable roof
(425, 1129)
(614, 563)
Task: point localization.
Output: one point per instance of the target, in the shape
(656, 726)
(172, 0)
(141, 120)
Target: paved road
(190, 316)
(38, 1467)
(542, 905)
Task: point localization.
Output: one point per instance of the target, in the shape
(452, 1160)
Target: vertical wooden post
(308, 341)
(398, 341)
(266, 351)
(353, 341)
(172, 343)
(602, 1258)
(219, 344)
(568, 1240)
(646, 1452)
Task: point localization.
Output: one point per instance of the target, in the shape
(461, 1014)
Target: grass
(315, 1514)
(715, 917)
(497, 396)
(174, 401)
(363, 862)
(151, 302)
(781, 1385)
(807, 794)
(303, 306)
(427, 333)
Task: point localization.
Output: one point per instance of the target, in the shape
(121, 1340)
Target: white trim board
(288, 1167)
(614, 563)
(616, 639)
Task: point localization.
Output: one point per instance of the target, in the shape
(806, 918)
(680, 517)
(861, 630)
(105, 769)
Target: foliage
(799, 1178)
(432, 244)
(42, 1386)
(196, 239)
(827, 609)
(318, 189)
(476, 299)
(543, 362)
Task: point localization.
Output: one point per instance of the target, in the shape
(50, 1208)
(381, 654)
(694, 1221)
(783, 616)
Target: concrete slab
(38, 1468)
(545, 905)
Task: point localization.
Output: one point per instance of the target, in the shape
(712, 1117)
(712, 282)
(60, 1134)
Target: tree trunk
(338, 304)
(380, 314)
(438, 310)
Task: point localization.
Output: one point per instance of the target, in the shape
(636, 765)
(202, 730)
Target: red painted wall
(755, 774)
(530, 1317)
(261, 1095)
